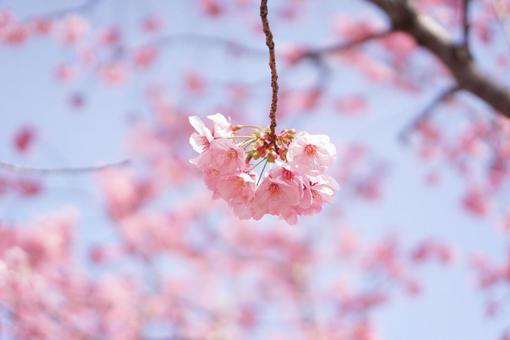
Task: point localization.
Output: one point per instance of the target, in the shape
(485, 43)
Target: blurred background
(414, 245)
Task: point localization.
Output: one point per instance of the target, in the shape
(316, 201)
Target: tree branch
(427, 112)
(84, 6)
(65, 170)
(431, 36)
(466, 24)
(169, 39)
(343, 46)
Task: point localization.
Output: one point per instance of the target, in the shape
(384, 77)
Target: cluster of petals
(294, 183)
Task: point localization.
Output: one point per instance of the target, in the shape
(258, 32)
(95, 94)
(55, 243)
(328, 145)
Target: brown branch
(63, 170)
(426, 113)
(312, 54)
(466, 24)
(272, 66)
(343, 46)
(85, 6)
(185, 38)
(430, 35)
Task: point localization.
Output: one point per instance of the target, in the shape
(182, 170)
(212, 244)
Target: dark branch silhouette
(466, 23)
(62, 170)
(457, 59)
(426, 113)
(84, 6)
(343, 46)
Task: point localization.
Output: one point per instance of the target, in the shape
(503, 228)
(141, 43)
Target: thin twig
(466, 24)
(272, 66)
(427, 112)
(340, 47)
(85, 6)
(62, 170)
(205, 40)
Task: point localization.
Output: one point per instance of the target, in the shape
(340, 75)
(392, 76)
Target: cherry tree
(234, 169)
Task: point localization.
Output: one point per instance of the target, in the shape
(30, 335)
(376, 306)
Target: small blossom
(278, 194)
(318, 190)
(311, 153)
(222, 155)
(73, 28)
(238, 190)
(203, 137)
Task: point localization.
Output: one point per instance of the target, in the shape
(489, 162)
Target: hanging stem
(272, 66)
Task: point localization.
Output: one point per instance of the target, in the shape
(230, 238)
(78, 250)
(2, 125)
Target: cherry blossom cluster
(294, 184)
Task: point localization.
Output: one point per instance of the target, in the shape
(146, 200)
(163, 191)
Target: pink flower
(74, 28)
(65, 72)
(223, 156)
(296, 185)
(278, 194)
(194, 83)
(211, 8)
(476, 202)
(24, 139)
(238, 191)
(124, 193)
(14, 34)
(203, 137)
(211, 178)
(114, 73)
(152, 24)
(318, 190)
(311, 153)
(144, 56)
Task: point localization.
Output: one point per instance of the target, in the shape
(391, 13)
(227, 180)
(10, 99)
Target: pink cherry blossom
(65, 72)
(114, 73)
(24, 139)
(14, 34)
(278, 194)
(294, 186)
(144, 57)
(238, 191)
(475, 201)
(73, 28)
(211, 8)
(222, 155)
(152, 24)
(311, 153)
(317, 191)
(204, 135)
